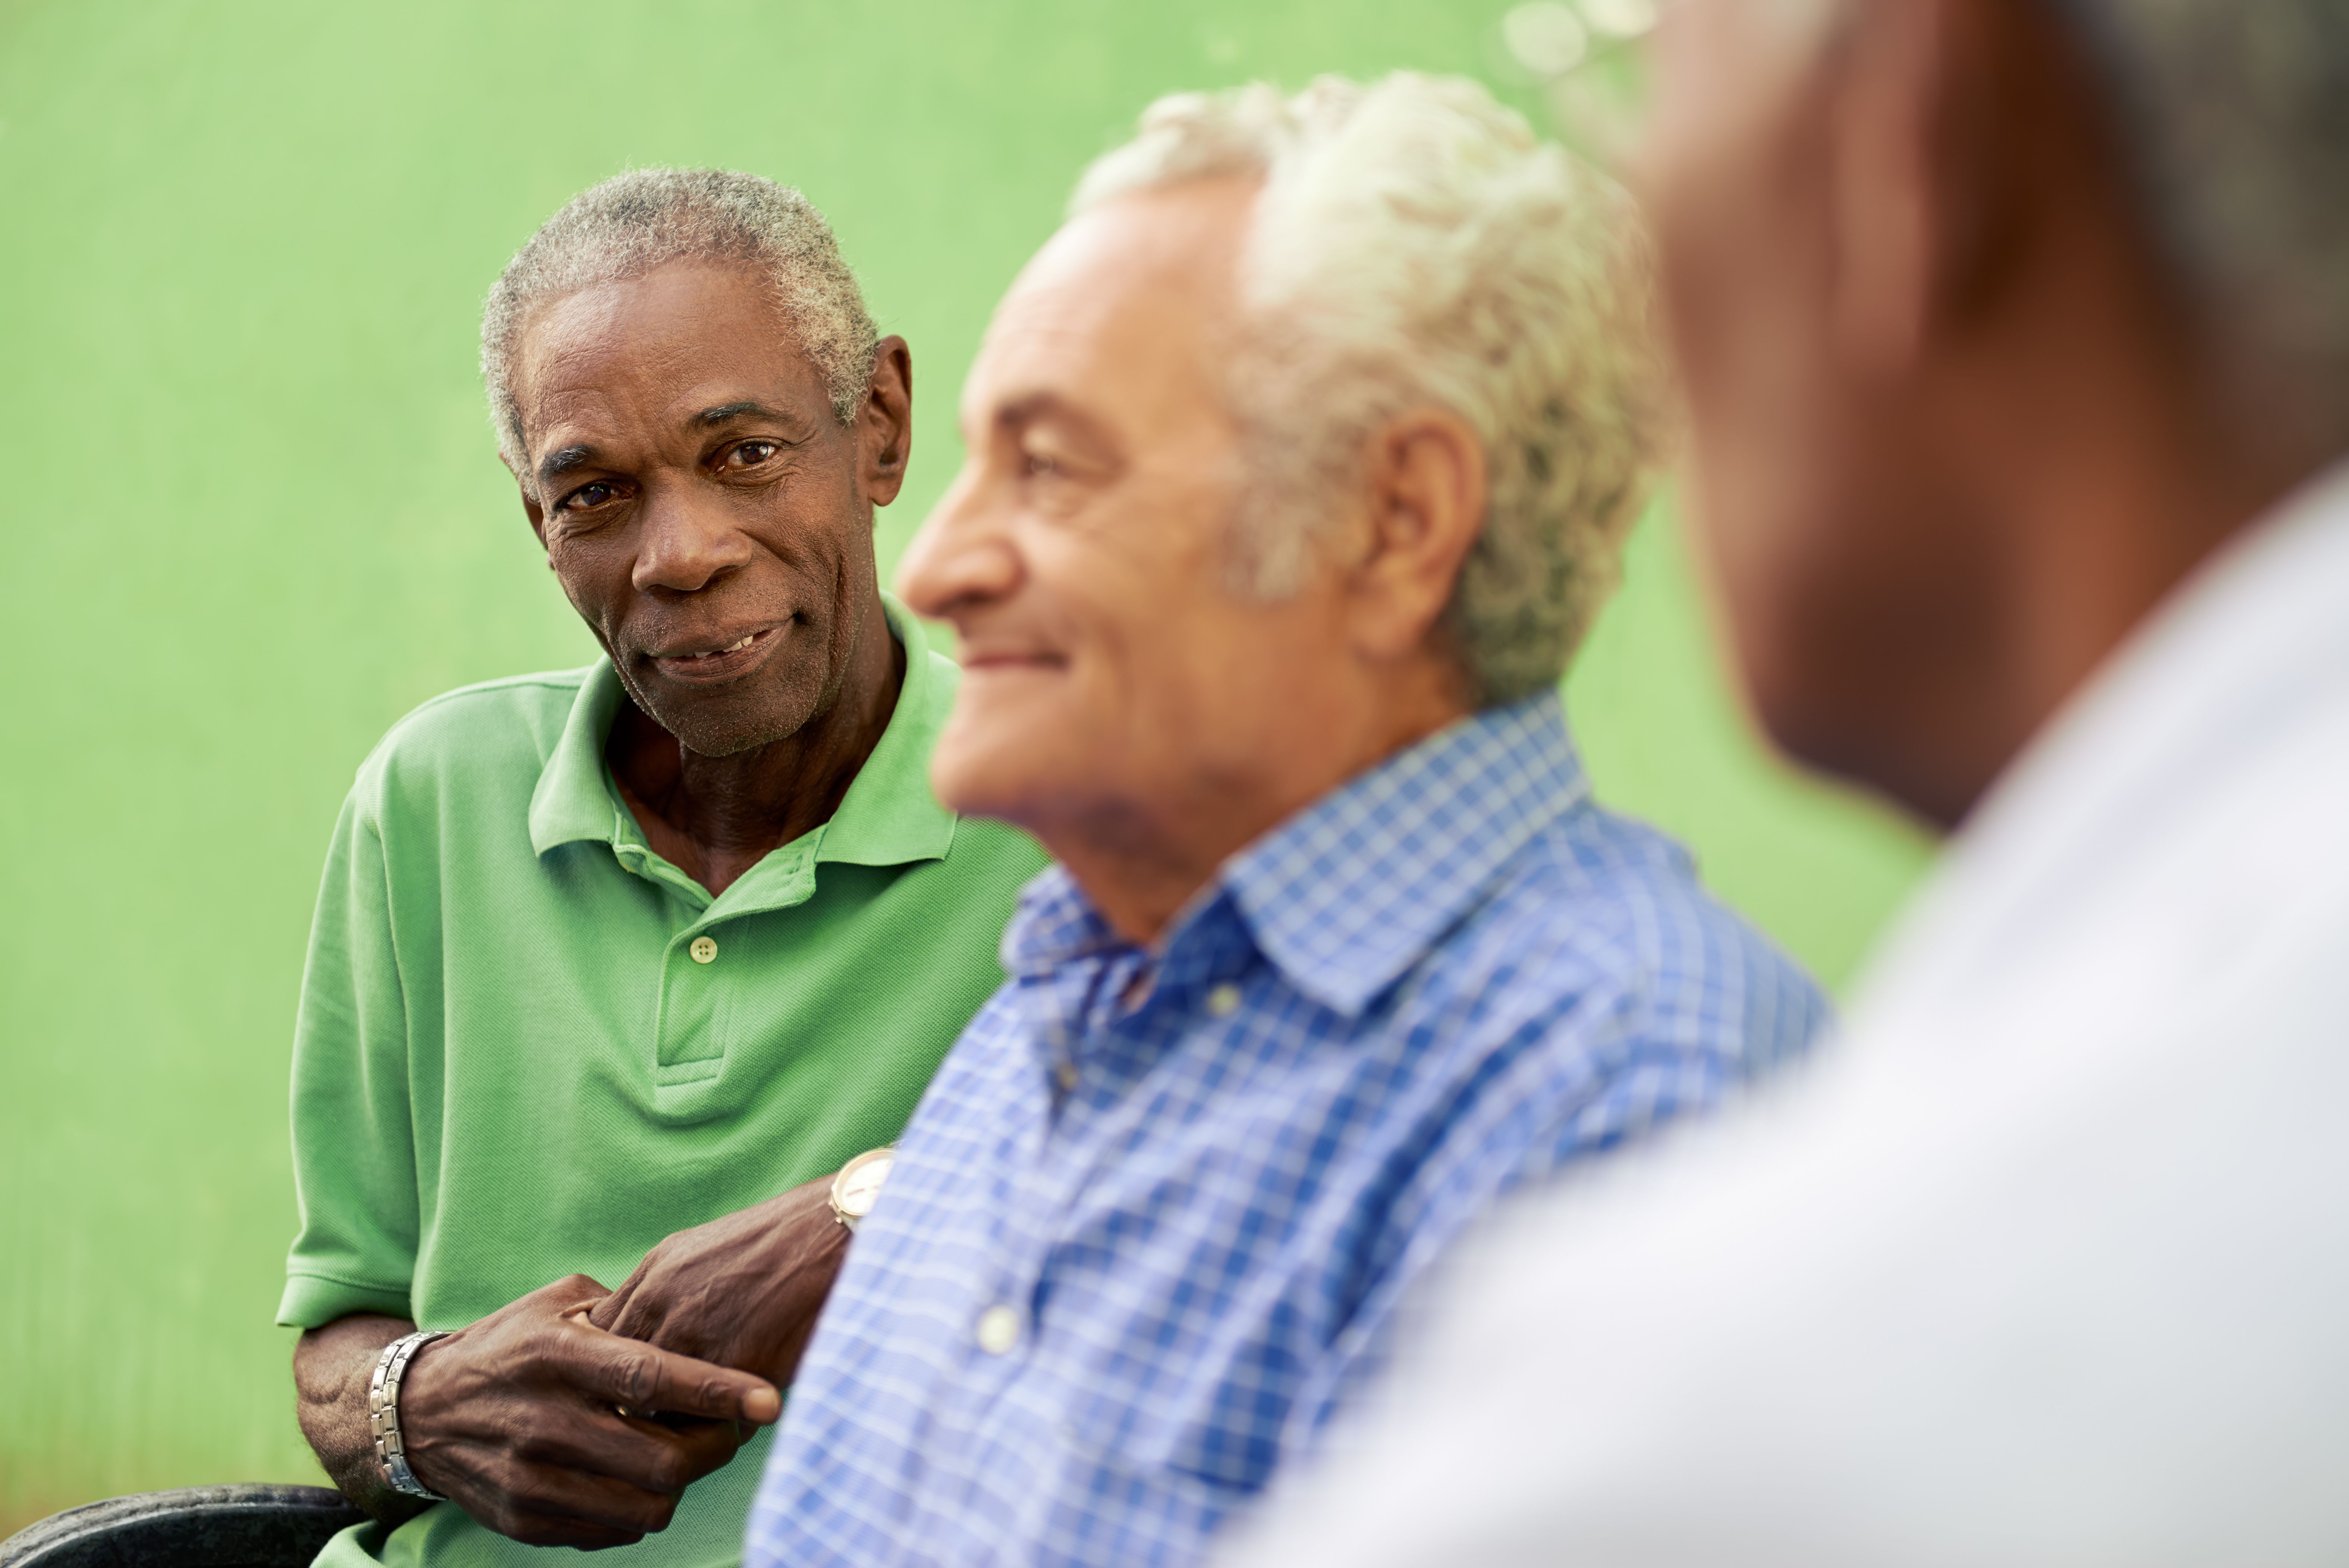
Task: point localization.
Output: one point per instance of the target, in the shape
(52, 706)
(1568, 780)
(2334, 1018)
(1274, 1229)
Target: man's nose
(685, 542)
(965, 554)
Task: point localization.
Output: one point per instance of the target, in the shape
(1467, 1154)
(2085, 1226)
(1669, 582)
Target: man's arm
(332, 1366)
(532, 1420)
(744, 1291)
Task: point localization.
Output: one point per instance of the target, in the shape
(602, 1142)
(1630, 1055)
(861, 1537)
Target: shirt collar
(1348, 894)
(888, 817)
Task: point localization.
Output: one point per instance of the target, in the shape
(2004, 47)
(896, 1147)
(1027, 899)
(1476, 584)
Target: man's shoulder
(1603, 905)
(494, 735)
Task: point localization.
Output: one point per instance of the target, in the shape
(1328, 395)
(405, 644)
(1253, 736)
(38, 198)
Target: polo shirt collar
(1345, 897)
(888, 817)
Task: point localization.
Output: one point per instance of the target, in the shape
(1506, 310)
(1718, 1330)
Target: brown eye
(587, 496)
(750, 453)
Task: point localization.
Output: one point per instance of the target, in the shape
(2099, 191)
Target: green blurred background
(253, 515)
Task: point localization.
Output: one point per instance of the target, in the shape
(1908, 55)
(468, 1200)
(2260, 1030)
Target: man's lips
(702, 666)
(1008, 661)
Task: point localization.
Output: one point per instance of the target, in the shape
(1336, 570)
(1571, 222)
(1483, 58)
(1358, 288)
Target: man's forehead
(1784, 30)
(666, 348)
(1127, 293)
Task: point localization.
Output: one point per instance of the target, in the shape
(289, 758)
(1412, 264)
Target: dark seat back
(195, 1527)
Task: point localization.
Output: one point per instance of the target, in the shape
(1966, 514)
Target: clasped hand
(577, 1416)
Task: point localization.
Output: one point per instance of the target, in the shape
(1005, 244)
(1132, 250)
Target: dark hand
(518, 1420)
(742, 1291)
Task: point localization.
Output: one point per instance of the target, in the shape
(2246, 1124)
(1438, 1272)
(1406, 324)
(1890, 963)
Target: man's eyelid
(726, 450)
(571, 494)
(1073, 459)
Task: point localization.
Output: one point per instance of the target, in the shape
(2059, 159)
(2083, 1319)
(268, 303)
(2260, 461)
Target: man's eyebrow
(725, 411)
(562, 461)
(1031, 408)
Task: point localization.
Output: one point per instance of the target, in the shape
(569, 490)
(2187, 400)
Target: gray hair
(2235, 114)
(2234, 119)
(633, 222)
(1415, 245)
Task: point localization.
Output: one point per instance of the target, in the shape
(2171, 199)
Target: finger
(570, 1292)
(630, 1313)
(606, 1315)
(640, 1376)
(548, 1505)
(707, 1445)
(550, 1490)
(645, 1455)
(611, 1313)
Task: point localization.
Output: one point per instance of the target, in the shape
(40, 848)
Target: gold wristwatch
(859, 1183)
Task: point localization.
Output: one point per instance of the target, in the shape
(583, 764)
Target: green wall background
(252, 514)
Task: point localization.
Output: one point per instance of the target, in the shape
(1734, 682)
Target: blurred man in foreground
(1298, 461)
(606, 953)
(2017, 336)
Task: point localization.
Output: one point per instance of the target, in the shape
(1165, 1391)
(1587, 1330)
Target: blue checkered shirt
(1148, 1228)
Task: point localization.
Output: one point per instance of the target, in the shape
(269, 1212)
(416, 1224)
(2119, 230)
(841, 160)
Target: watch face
(860, 1184)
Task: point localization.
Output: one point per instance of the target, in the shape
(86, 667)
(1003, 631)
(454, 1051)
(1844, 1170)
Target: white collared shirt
(2046, 1262)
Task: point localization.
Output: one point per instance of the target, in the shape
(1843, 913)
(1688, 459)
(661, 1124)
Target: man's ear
(1880, 185)
(1923, 200)
(1428, 492)
(884, 426)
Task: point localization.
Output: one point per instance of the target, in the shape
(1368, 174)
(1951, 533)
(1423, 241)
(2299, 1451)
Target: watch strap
(383, 1414)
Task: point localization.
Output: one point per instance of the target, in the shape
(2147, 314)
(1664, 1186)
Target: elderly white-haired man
(1297, 465)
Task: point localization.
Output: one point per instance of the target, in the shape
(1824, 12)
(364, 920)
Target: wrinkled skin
(692, 486)
(744, 1291)
(1121, 700)
(518, 1419)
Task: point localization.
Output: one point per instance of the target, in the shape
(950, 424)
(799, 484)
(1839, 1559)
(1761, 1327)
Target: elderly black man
(608, 953)
(2016, 335)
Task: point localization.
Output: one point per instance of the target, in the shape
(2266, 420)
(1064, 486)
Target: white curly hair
(646, 218)
(1415, 245)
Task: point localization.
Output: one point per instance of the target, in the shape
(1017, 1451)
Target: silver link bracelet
(383, 1414)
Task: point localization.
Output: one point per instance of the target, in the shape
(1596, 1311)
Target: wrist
(386, 1436)
(858, 1184)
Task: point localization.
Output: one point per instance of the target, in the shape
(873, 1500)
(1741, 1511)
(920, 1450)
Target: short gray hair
(2235, 116)
(1416, 245)
(2232, 118)
(633, 222)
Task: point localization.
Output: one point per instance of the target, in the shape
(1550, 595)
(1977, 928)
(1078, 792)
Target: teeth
(729, 648)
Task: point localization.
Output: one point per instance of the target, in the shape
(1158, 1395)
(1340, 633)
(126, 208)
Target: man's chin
(711, 730)
(996, 778)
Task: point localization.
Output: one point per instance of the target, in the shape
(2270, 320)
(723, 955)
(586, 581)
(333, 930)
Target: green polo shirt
(529, 1046)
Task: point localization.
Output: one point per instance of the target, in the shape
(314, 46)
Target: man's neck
(1141, 862)
(2095, 548)
(716, 817)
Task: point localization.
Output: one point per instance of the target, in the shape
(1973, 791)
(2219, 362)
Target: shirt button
(998, 1330)
(1225, 1000)
(703, 950)
(1066, 1072)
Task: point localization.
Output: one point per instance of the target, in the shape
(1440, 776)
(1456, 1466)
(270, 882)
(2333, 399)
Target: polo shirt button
(1066, 1072)
(1225, 1000)
(703, 950)
(998, 1330)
